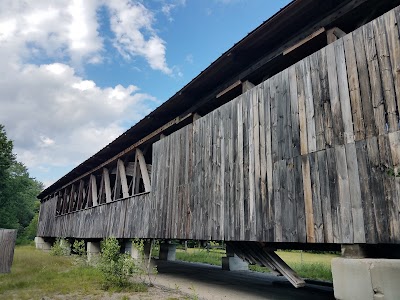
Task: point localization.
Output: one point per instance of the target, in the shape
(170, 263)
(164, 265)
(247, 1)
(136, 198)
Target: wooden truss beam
(143, 170)
(173, 122)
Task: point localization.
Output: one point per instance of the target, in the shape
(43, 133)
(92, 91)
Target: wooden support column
(71, 198)
(143, 170)
(93, 190)
(107, 186)
(334, 34)
(65, 202)
(246, 86)
(135, 178)
(79, 201)
(196, 116)
(122, 178)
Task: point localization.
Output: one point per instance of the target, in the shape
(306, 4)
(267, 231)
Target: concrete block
(93, 250)
(41, 244)
(167, 251)
(366, 279)
(234, 263)
(132, 250)
(147, 249)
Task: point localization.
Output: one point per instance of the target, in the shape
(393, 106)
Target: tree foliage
(18, 203)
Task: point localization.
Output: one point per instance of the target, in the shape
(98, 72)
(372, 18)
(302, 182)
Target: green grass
(36, 274)
(307, 265)
(199, 255)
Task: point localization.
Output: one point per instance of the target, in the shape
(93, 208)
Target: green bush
(115, 267)
(61, 247)
(78, 247)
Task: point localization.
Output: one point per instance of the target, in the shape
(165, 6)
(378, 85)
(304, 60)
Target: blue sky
(79, 73)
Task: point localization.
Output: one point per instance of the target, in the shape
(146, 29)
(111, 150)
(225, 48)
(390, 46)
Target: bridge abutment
(136, 252)
(167, 251)
(42, 244)
(93, 250)
(132, 249)
(232, 262)
(366, 278)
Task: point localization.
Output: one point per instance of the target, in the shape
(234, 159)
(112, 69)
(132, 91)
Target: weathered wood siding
(7, 245)
(171, 185)
(309, 155)
(306, 156)
(123, 218)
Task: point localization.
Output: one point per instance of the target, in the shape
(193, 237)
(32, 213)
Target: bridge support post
(132, 250)
(232, 262)
(167, 251)
(366, 278)
(42, 244)
(93, 250)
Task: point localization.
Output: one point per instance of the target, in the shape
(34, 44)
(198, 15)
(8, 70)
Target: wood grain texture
(7, 244)
(310, 155)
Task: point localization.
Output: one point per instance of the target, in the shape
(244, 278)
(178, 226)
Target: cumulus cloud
(56, 29)
(56, 116)
(66, 29)
(134, 34)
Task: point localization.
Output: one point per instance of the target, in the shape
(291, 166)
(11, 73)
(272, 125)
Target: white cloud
(57, 29)
(168, 7)
(69, 30)
(56, 118)
(132, 24)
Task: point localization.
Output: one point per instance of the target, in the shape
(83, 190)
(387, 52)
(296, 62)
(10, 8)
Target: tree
(18, 190)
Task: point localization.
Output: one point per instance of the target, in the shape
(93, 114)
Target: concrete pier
(232, 262)
(93, 250)
(41, 244)
(366, 278)
(132, 250)
(167, 251)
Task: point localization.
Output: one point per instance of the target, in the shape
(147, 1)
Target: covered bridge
(289, 140)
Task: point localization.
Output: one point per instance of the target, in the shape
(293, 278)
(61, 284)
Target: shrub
(61, 247)
(114, 266)
(79, 248)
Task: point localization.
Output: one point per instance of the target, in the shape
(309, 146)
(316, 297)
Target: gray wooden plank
(394, 142)
(375, 78)
(269, 231)
(263, 206)
(354, 87)
(310, 115)
(337, 119)
(346, 220)
(385, 66)
(365, 87)
(315, 62)
(325, 99)
(316, 199)
(344, 93)
(299, 199)
(377, 190)
(355, 194)
(392, 19)
(294, 110)
(279, 177)
(300, 69)
(307, 189)
(334, 194)
(325, 196)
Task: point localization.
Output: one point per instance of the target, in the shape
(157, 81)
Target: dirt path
(202, 281)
